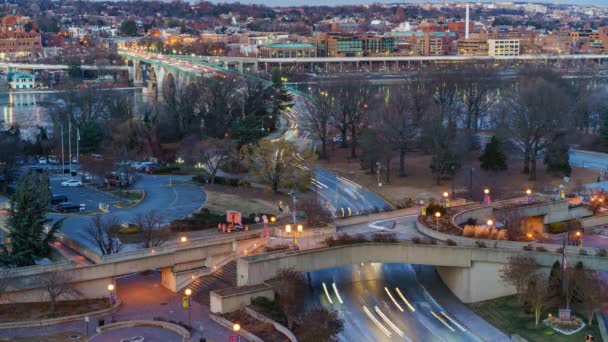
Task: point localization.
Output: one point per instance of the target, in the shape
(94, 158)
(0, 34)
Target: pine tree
(493, 158)
(557, 155)
(604, 128)
(282, 99)
(28, 239)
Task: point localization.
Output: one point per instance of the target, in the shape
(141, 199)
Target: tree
(327, 325)
(477, 89)
(399, 123)
(536, 295)
(282, 98)
(29, 238)
(279, 164)
(56, 285)
(103, 234)
(218, 106)
(354, 96)
(571, 283)
(213, 154)
(593, 292)
(444, 160)
(557, 155)
(10, 145)
(289, 286)
(517, 272)
(316, 213)
(493, 158)
(317, 117)
(128, 28)
(91, 137)
(153, 233)
(604, 127)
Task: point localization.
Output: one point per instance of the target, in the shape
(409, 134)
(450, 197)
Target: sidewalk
(437, 289)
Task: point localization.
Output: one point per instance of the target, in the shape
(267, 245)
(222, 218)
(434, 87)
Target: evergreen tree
(282, 98)
(28, 239)
(493, 158)
(557, 156)
(604, 127)
(555, 281)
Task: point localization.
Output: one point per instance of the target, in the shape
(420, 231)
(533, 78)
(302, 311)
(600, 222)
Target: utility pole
(62, 153)
(293, 195)
(378, 166)
(77, 143)
(69, 147)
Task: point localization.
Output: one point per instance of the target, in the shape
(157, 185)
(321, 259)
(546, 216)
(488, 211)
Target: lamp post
(188, 302)
(437, 216)
(446, 201)
(489, 223)
(486, 196)
(237, 328)
(529, 195)
(293, 196)
(112, 297)
(298, 230)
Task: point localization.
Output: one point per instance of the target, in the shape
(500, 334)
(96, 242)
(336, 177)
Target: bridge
(179, 262)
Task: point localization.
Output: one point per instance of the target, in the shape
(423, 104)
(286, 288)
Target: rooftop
(289, 45)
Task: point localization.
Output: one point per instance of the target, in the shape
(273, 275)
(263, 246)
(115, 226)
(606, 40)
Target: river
(30, 110)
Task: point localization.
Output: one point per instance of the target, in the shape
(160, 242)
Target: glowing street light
(446, 200)
(486, 196)
(187, 302)
(299, 229)
(183, 239)
(437, 216)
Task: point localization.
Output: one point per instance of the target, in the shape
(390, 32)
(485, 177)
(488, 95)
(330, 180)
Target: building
(472, 47)
(429, 45)
(350, 45)
(288, 50)
(503, 47)
(20, 45)
(19, 80)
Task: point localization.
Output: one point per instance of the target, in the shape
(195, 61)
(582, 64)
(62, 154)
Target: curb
(185, 334)
(134, 204)
(58, 320)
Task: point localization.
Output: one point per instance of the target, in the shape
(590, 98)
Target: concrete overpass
(179, 262)
(472, 273)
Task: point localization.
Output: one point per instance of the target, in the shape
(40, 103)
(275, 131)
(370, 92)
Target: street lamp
(445, 199)
(489, 223)
(183, 239)
(237, 328)
(437, 216)
(295, 233)
(112, 297)
(486, 196)
(188, 303)
(529, 195)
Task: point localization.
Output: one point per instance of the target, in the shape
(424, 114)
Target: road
(360, 293)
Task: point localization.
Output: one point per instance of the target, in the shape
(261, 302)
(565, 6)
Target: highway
(383, 302)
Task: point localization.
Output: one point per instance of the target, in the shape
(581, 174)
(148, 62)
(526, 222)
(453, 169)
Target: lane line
(327, 294)
(393, 299)
(405, 300)
(453, 321)
(389, 322)
(376, 322)
(337, 293)
(443, 321)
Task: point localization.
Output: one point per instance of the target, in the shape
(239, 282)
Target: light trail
(327, 294)
(389, 322)
(405, 300)
(443, 321)
(337, 293)
(376, 322)
(453, 321)
(388, 292)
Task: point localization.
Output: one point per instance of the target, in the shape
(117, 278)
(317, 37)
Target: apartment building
(503, 47)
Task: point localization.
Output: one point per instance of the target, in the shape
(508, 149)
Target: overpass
(180, 262)
(472, 273)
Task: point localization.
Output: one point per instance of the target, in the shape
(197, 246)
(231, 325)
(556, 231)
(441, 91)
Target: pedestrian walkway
(428, 277)
(224, 277)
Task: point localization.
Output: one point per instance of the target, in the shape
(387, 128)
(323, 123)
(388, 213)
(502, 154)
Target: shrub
(269, 308)
(468, 231)
(198, 221)
(471, 221)
(130, 229)
(494, 233)
(528, 248)
(433, 208)
(503, 234)
(480, 244)
(345, 239)
(582, 252)
(203, 179)
(276, 248)
(602, 252)
(166, 170)
(541, 249)
(481, 232)
(384, 237)
(450, 242)
(556, 227)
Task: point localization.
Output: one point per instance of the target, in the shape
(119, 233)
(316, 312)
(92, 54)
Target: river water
(30, 110)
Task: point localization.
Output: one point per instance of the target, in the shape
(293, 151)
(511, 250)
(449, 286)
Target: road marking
(327, 294)
(337, 293)
(405, 300)
(443, 321)
(393, 299)
(453, 321)
(389, 322)
(376, 322)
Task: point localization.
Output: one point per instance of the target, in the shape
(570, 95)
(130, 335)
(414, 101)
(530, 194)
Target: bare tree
(353, 96)
(477, 86)
(593, 292)
(289, 286)
(316, 213)
(153, 233)
(103, 234)
(444, 87)
(56, 285)
(518, 272)
(537, 295)
(317, 118)
(214, 152)
(327, 325)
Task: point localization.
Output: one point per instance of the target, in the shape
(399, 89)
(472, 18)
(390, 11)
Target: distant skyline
(602, 3)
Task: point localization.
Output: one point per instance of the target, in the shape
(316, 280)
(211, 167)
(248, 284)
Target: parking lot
(81, 195)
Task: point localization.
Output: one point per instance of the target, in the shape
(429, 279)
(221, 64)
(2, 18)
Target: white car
(71, 182)
(42, 161)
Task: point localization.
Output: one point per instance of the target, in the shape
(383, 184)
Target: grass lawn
(34, 311)
(419, 183)
(246, 200)
(506, 315)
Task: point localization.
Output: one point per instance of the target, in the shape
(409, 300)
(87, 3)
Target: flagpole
(77, 143)
(69, 145)
(62, 153)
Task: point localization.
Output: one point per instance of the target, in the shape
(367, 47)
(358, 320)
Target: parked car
(71, 183)
(53, 160)
(68, 206)
(57, 199)
(151, 168)
(42, 161)
(74, 160)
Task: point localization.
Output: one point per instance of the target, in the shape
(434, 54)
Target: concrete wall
(96, 288)
(479, 282)
(232, 299)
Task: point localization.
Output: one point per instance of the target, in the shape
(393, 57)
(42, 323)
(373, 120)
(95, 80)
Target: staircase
(223, 277)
